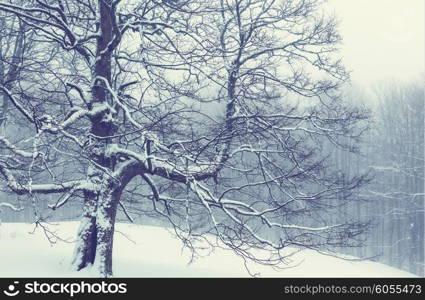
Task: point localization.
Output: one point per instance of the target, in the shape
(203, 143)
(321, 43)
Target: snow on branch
(49, 20)
(11, 206)
(13, 148)
(22, 189)
(15, 102)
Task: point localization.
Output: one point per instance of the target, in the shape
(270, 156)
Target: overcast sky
(383, 39)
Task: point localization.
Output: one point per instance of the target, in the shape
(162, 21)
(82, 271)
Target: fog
(382, 39)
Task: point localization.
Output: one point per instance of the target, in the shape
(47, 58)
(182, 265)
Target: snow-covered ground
(147, 251)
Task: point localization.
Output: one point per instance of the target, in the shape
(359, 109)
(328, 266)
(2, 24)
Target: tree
(12, 47)
(213, 112)
(398, 190)
(393, 150)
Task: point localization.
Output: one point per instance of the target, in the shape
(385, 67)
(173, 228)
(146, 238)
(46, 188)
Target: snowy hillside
(145, 251)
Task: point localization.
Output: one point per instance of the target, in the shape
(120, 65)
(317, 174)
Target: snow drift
(147, 251)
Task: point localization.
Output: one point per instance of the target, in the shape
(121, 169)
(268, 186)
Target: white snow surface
(148, 251)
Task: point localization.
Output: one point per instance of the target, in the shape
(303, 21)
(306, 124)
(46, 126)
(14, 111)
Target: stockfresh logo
(12, 290)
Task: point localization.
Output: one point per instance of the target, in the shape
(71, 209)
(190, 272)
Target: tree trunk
(105, 224)
(85, 248)
(96, 232)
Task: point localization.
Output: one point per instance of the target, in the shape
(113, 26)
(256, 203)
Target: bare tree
(397, 159)
(12, 48)
(393, 151)
(212, 113)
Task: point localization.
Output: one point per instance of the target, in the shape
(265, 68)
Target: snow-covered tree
(397, 158)
(392, 151)
(212, 113)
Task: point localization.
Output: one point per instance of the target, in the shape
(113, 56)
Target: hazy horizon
(382, 39)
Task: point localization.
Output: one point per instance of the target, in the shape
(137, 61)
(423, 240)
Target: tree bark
(105, 225)
(85, 248)
(96, 232)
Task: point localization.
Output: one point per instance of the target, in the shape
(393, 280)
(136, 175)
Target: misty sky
(383, 39)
